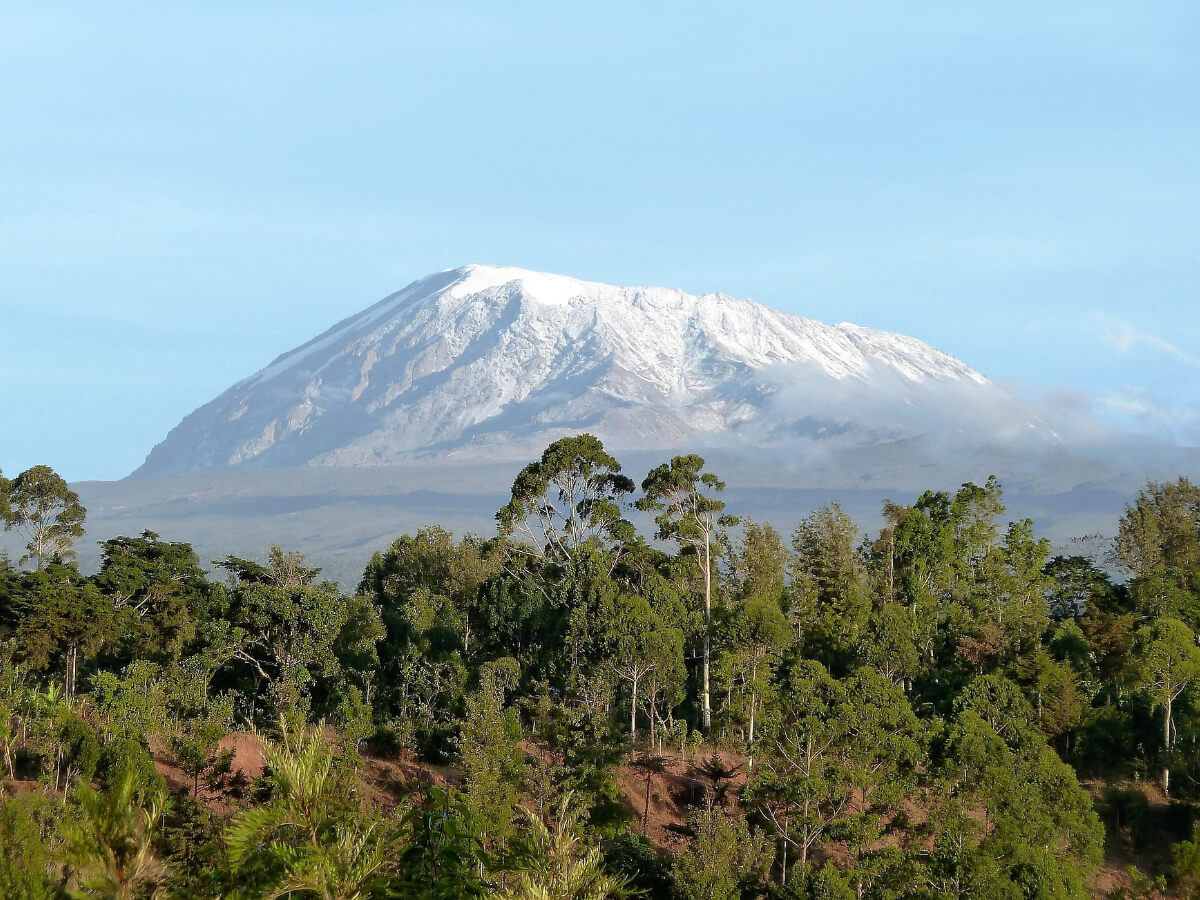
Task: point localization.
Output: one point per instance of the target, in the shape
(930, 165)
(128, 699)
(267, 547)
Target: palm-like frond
(323, 848)
(551, 862)
(344, 869)
(110, 846)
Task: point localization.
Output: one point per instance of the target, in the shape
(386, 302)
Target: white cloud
(1150, 412)
(1125, 337)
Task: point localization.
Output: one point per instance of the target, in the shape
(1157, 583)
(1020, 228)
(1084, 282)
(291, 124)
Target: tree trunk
(892, 566)
(750, 743)
(1167, 749)
(753, 696)
(652, 706)
(254, 698)
(804, 844)
(633, 710)
(783, 872)
(706, 705)
(646, 809)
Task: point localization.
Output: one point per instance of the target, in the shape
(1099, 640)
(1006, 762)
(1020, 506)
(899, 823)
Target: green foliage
(830, 599)
(633, 859)
(683, 499)
(5, 503)
(889, 644)
(549, 860)
(291, 643)
(722, 857)
(1040, 833)
(128, 759)
(844, 763)
(62, 620)
(1078, 587)
(30, 832)
(894, 715)
(759, 563)
(109, 843)
(1158, 540)
(1164, 662)
(570, 498)
(157, 589)
(46, 512)
(442, 859)
(490, 762)
(309, 839)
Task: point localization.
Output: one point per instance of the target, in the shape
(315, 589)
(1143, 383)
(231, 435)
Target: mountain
(487, 363)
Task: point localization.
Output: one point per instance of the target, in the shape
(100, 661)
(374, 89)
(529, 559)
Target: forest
(627, 691)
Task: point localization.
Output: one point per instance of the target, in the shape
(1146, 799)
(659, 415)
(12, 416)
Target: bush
(634, 859)
(128, 757)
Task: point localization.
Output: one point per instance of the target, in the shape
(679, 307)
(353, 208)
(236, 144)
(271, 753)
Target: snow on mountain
(492, 362)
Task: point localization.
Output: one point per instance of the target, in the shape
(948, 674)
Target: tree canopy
(945, 707)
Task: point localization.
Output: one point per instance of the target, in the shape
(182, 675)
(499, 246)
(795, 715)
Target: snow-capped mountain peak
(498, 360)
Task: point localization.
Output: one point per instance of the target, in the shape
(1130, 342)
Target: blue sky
(188, 190)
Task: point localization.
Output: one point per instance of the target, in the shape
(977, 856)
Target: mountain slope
(490, 362)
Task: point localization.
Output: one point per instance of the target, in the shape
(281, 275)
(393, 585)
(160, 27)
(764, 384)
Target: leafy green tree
(1038, 830)
(759, 563)
(550, 860)
(30, 835)
(1109, 639)
(947, 563)
(157, 588)
(722, 857)
(46, 512)
(132, 704)
(441, 856)
(1054, 691)
(1016, 598)
(435, 616)
(1078, 587)
(309, 839)
(61, 619)
(830, 596)
(110, 846)
(888, 644)
(18, 695)
(431, 561)
(77, 751)
(845, 760)
(578, 736)
(129, 758)
(198, 754)
(422, 673)
(285, 634)
(684, 497)
(489, 759)
(1164, 663)
(1185, 866)
(1158, 540)
(756, 634)
(634, 859)
(665, 683)
(572, 496)
(880, 755)
(641, 644)
(803, 787)
(928, 571)
(5, 505)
